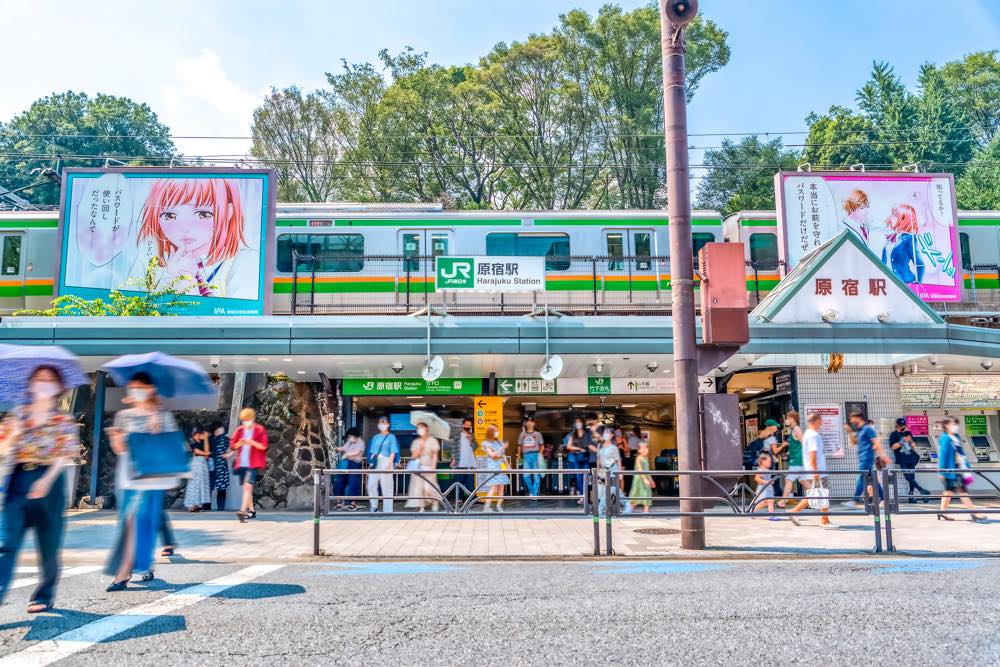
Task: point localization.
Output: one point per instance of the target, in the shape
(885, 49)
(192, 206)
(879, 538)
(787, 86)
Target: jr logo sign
(455, 273)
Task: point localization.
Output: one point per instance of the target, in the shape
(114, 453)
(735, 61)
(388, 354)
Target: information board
(918, 425)
(975, 425)
(489, 274)
(831, 429)
(487, 410)
(921, 391)
(525, 386)
(972, 391)
(412, 387)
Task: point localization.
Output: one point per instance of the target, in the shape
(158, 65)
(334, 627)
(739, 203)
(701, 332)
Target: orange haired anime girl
(197, 226)
(905, 257)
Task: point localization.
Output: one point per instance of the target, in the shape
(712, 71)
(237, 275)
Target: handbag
(819, 497)
(157, 455)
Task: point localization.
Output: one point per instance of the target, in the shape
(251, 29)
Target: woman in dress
(198, 493)
(37, 440)
(641, 493)
(424, 489)
(952, 456)
(495, 460)
(140, 501)
(218, 463)
(349, 486)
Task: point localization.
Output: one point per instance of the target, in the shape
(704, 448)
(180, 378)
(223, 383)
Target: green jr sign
(598, 386)
(412, 387)
(456, 273)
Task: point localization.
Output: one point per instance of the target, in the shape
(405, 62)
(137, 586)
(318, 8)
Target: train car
(29, 252)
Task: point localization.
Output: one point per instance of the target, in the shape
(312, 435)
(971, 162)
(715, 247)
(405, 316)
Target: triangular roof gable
(789, 302)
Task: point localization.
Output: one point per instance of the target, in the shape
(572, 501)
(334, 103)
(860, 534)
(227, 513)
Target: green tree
(973, 86)
(155, 299)
(73, 124)
(741, 174)
(979, 186)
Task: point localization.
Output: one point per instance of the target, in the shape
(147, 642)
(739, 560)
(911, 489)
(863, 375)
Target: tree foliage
(741, 174)
(979, 185)
(73, 124)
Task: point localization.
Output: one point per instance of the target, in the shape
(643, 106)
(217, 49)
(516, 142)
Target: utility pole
(674, 15)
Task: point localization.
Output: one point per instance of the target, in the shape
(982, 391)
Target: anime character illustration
(856, 208)
(194, 227)
(901, 252)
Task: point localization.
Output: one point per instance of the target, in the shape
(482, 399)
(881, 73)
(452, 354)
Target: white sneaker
(487, 508)
(500, 508)
(830, 526)
(853, 504)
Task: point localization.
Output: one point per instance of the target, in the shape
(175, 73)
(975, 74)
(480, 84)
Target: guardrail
(719, 493)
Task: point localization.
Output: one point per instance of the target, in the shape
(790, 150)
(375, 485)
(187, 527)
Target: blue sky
(203, 65)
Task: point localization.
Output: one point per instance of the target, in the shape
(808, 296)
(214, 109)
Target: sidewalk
(287, 536)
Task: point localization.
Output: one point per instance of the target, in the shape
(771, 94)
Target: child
(642, 485)
(765, 487)
(194, 228)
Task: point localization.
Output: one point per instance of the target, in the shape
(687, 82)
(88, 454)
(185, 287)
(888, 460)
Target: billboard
(907, 220)
(208, 228)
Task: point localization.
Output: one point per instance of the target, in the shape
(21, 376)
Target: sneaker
(500, 508)
(774, 518)
(853, 504)
(372, 510)
(487, 508)
(830, 526)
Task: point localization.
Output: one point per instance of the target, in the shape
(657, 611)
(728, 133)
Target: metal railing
(719, 493)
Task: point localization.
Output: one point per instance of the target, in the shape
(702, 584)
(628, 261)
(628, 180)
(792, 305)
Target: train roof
(322, 210)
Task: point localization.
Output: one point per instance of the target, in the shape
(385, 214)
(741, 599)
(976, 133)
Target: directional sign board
(598, 386)
(525, 386)
(487, 410)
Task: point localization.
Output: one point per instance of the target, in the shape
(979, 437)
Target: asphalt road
(857, 611)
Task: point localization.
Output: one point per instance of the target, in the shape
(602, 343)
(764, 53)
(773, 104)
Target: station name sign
(489, 274)
(412, 386)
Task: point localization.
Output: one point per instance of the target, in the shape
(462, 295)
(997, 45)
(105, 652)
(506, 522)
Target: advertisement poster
(918, 425)
(907, 220)
(831, 429)
(205, 230)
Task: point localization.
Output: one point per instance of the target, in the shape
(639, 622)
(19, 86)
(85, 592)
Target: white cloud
(198, 98)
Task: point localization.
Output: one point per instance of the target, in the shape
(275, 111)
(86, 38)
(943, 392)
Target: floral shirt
(46, 443)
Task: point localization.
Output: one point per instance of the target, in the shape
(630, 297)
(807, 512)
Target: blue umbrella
(172, 376)
(20, 361)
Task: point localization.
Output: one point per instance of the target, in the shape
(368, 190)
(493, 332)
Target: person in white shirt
(813, 464)
(530, 441)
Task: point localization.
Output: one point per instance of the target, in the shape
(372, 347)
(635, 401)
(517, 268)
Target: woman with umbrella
(38, 440)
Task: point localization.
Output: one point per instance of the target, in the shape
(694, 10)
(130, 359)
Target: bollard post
(316, 511)
(608, 486)
(593, 509)
(871, 493)
(887, 503)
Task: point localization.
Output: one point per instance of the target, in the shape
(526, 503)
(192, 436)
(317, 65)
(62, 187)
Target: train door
(629, 262)
(419, 247)
(11, 271)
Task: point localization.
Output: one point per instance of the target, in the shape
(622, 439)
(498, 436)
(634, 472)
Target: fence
(718, 493)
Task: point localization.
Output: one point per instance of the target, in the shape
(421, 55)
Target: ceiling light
(629, 405)
(753, 391)
(578, 405)
(418, 405)
(302, 372)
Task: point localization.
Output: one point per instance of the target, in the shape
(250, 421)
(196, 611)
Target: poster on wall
(918, 425)
(205, 231)
(831, 429)
(972, 391)
(907, 220)
(750, 426)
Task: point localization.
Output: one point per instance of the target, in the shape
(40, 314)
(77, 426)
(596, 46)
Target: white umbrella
(438, 427)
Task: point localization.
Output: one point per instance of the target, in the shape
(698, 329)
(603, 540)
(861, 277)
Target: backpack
(751, 453)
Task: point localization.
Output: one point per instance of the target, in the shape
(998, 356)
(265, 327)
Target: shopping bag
(819, 498)
(156, 455)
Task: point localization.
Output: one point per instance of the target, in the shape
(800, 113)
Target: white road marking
(80, 639)
(67, 572)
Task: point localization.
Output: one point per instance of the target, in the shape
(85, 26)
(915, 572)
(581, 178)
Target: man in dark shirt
(907, 457)
(868, 448)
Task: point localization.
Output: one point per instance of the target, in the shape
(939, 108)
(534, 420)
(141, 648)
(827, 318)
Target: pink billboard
(907, 220)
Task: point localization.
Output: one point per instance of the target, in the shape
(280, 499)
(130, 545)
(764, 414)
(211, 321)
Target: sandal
(167, 552)
(38, 607)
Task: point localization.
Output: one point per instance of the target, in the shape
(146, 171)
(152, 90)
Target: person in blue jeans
(347, 488)
(869, 447)
(578, 453)
(530, 441)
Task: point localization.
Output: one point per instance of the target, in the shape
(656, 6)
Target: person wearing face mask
(37, 440)
(198, 493)
(495, 460)
(140, 501)
(424, 490)
(577, 451)
(609, 459)
(383, 453)
(531, 442)
(250, 443)
(218, 463)
(951, 456)
(466, 457)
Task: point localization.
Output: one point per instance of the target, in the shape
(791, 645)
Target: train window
(352, 246)
(764, 250)
(963, 240)
(439, 244)
(616, 251)
(500, 244)
(411, 251)
(11, 256)
(642, 246)
(698, 242)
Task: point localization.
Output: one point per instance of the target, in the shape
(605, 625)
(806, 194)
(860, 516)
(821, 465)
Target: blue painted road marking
(341, 569)
(919, 566)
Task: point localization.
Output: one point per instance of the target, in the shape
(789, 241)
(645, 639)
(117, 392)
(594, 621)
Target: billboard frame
(270, 208)
(781, 218)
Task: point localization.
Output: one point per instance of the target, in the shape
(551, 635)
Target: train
(377, 250)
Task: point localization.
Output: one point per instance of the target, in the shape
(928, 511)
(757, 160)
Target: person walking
(609, 460)
(466, 459)
(951, 457)
(218, 463)
(250, 443)
(794, 447)
(869, 449)
(37, 440)
(424, 490)
(905, 452)
(383, 453)
(641, 493)
(577, 453)
(496, 460)
(814, 465)
(140, 501)
(198, 493)
(531, 441)
(347, 487)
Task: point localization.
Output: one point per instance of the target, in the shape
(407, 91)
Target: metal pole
(887, 503)
(593, 509)
(316, 502)
(95, 437)
(872, 494)
(608, 549)
(682, 275)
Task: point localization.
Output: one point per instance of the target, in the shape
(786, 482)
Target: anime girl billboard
(907, 220)
(206, 230)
